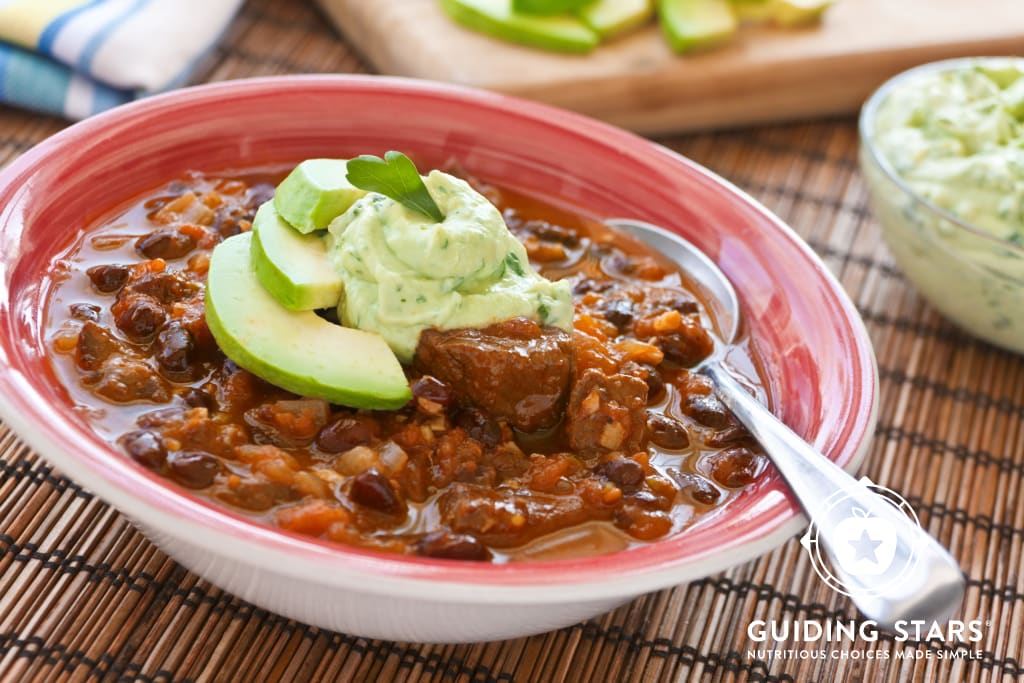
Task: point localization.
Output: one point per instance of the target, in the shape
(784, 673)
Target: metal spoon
(856, 528)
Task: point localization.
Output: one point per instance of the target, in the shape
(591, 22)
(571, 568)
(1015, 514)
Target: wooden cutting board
(767, 74)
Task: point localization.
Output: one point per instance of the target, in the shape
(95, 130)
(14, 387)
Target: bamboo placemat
(83, 596)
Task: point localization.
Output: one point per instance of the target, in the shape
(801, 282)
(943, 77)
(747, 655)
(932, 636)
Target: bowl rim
(622, 574)
(866, 129)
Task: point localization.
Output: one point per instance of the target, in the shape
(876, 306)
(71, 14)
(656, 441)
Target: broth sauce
(441, 477)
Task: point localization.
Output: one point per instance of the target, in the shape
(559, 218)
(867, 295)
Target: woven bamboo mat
(83, 596)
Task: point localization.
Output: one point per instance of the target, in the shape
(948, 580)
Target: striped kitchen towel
(78, 57)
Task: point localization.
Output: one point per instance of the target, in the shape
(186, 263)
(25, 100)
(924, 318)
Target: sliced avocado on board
(755, 11)
(563, 33)
(547, 6)
(293, 267)
(296, 350)
(315, 193)
(787, 13)
(693, 24)
(610, 18)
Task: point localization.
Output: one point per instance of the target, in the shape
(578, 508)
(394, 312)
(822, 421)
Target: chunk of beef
(167, 287)
(607, 412)
(95, 345)
(502, 517)
(514, 369)
(122, 379)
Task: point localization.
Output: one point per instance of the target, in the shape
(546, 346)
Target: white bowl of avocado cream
(942, 148)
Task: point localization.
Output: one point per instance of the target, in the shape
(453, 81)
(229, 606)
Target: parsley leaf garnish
(394, 176)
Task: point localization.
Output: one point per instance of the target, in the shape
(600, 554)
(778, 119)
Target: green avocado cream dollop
(404, 273)
(957, 138)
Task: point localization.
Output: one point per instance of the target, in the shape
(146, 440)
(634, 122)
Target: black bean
(619, 312)
(666, 432)
(161, 417)
(141, 319)
(193, 469)
(175, 348)
(562, 235)
(329, 314)
(649, 501)
(226, 226)
(735, 467)
(108, 278)
(655, 384)
(707, 410)
(347, 433)
(197, 398)
(618, 262)
(678, 302)
(165, 244)
(479, 426)
(687, 348)
(733, 435)
(585, 285)
(627, 474)
(373, 490)
(553, 233)
(145, 448)
(698, 488)
(85, 312)
(259, 194)
(432, 389)
(451, 546)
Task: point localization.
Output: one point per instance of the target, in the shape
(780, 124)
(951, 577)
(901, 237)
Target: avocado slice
(694, 24)
(612, 17)
(786, 13)
(547, 7)
(315, 193)
(563, 33)
(292, 266)
(296, 350)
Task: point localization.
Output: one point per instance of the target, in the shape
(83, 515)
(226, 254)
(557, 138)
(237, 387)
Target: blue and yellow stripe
(56, 55)
(33, 23)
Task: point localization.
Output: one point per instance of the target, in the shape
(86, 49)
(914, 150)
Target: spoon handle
(878, 555)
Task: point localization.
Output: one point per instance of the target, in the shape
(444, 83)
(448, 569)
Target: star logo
(865, 547)
(862, 544)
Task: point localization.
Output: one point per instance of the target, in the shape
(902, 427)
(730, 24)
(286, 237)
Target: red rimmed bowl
(819, 363)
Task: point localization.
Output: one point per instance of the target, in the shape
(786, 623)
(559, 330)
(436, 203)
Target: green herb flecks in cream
(406, 270)
(957, 138)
